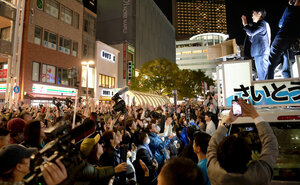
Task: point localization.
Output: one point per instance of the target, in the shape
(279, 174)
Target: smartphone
(236, 108)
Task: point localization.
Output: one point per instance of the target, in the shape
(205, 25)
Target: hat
(87, 145)
(11, 155)
(15, 125)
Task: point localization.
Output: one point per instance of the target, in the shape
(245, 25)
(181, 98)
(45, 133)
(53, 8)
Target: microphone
(122, 91)
(117, 95)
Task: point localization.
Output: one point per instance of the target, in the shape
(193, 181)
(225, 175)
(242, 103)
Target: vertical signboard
(124, 59)
(130, 63)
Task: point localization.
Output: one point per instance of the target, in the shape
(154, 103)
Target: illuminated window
(106, 81)
(186, 52)
(197, 51)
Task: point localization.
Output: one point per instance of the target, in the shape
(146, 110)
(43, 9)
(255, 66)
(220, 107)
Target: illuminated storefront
(42, 92)
(106, 71)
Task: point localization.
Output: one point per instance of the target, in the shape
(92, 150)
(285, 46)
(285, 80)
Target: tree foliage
(161, 76)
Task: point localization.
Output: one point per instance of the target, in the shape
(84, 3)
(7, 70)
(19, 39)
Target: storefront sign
(54, 90)
(108, 56)
(2, 88)
(3, 73)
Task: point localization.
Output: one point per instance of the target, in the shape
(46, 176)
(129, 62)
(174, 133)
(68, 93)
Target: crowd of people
(163, 145)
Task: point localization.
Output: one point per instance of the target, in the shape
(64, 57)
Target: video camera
(119, 103)
(59, 148)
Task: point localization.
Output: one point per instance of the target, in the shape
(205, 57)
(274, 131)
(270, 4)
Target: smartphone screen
(236, 108)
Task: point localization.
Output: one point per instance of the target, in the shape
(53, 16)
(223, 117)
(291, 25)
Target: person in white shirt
(210, 125)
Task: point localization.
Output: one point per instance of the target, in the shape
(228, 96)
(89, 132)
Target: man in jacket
(157, 145)
(228, 157)
(288, 33)
(260, 37)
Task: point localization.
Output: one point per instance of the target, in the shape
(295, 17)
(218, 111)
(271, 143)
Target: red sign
(1, 73)
(4, 73)
(124, 60)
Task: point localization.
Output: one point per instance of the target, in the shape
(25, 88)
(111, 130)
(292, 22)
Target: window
(37, 35)
(76, 20)
(64, 45)
(85, 25)
(106, 81)
(62, 78)
(5, 34)
(75, 49)
(40, 4)
(35, 71)
(85, 49)
(52, 8)
(48, 73)
(3, 72)
(50, 40)
(89, 24)
(66, 15)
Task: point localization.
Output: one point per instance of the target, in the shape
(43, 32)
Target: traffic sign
(16, 89)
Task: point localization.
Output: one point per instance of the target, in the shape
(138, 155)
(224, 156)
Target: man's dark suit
(260, 46)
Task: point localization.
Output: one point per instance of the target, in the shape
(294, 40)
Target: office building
(139, 30)
(192, 17)
(51, 50)
(191, 54)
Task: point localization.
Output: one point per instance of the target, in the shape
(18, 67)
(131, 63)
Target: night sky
(235, 9)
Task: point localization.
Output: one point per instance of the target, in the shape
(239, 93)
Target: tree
(161, 76)
(189, 83)
(158, 76)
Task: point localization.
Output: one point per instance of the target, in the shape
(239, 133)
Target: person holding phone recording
(228, 157)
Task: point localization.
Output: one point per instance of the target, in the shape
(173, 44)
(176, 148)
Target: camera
(59, 148)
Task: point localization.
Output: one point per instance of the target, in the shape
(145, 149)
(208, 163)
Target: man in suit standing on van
(260, 37)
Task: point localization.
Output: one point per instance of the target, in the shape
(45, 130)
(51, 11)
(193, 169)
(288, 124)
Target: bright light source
(91, 62)
(84, 63)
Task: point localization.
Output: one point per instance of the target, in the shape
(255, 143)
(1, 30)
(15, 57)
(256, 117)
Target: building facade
(51, 49)
(192, 17)
(191, 54)
(88, 49)
(139, 30)
(7, 27)
(106, 70)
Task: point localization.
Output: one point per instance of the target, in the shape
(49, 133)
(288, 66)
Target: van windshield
(288, 136)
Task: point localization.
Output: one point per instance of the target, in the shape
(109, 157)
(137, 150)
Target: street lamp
(91, 62)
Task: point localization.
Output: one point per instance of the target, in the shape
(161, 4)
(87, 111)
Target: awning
(146, 98)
